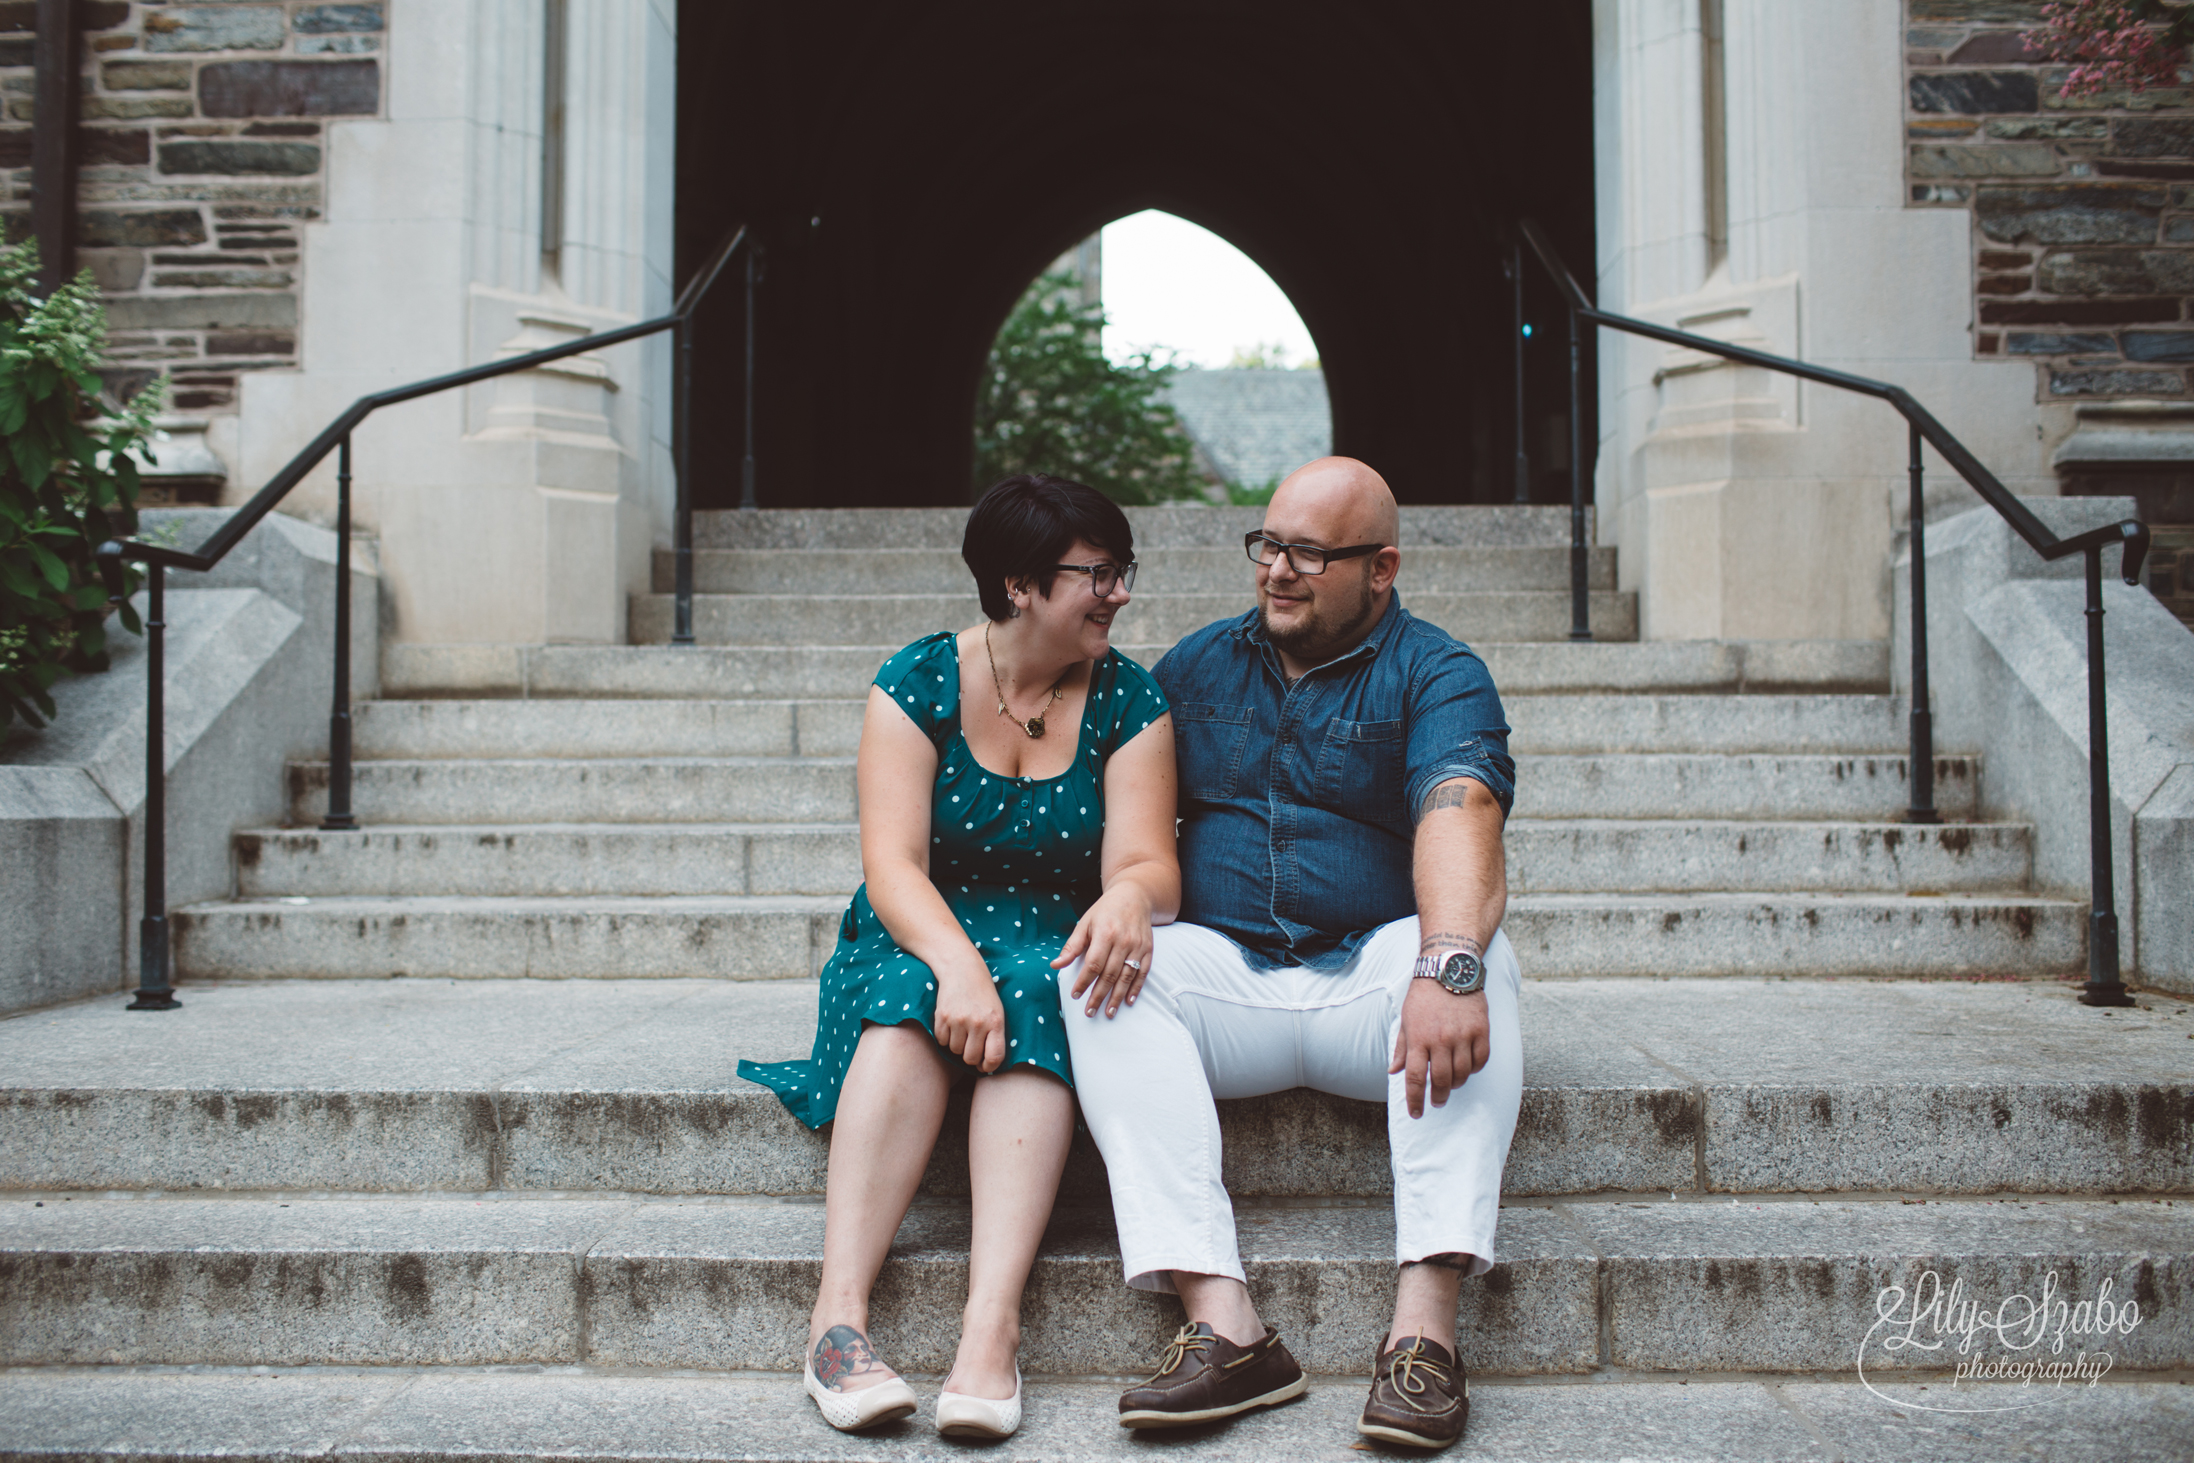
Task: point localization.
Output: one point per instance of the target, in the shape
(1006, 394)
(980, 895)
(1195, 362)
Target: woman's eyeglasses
(1307, 558)
(1102, 577)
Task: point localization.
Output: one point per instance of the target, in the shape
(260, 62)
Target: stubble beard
(1320, 636)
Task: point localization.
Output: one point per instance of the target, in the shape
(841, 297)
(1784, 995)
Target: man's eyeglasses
(1306, 558)
(1102, 577)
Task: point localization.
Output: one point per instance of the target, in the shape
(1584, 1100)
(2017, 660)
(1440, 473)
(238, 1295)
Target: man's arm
(1461, 876)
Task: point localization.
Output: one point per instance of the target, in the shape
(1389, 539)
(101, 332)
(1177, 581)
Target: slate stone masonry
(202, 152)
(2083, 207)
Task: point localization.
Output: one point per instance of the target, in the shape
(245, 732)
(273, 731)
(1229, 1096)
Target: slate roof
(1254, 426)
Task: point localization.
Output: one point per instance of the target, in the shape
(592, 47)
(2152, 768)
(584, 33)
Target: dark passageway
(911, 166)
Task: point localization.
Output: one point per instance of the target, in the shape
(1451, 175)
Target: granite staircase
(444, 1156)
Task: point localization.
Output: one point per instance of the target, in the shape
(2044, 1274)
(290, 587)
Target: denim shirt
(1299, 803)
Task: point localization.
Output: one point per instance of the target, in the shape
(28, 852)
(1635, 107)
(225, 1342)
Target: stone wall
(2083, 207)
(200, 156)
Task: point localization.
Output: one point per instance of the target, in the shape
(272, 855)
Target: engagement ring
(1132, 964)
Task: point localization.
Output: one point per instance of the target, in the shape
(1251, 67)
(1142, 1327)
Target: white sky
(1168, 282)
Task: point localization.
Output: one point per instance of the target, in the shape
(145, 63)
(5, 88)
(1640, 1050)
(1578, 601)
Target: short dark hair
(1022, 526)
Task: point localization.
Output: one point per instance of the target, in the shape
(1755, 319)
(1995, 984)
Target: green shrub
(67, 484)
(1051, 402)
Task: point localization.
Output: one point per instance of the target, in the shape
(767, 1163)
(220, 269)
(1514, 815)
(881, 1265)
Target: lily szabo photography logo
(2042, 1342)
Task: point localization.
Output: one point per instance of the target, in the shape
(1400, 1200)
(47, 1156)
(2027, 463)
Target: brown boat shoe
(1420, 1396)
(1205, 1377)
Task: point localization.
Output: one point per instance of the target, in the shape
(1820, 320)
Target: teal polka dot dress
(1016, 859)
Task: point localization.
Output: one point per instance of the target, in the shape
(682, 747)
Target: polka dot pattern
(1022, 854)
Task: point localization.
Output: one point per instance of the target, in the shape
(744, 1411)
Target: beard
(1333, 625)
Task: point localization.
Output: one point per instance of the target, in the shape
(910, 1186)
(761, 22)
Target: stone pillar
(522, 510)
(1746, 504)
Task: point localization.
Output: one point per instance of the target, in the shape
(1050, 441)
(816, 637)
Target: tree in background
(2135, 44)
(67, 485)
(1051, 402)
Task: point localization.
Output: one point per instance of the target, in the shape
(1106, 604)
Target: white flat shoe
(962, 1416)
(870, 1407)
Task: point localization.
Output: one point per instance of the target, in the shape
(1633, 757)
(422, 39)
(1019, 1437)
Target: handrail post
(681, 406)
(155, 992)
(1922, 809)
(339, 814)
(746, 465)
(1580, 600)
(1516, 285)
(2104, 987)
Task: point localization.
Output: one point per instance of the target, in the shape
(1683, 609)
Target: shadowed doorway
(910, 167)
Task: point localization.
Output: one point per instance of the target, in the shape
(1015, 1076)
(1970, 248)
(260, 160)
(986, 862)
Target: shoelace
(1184, 1341)
(1406, 1366)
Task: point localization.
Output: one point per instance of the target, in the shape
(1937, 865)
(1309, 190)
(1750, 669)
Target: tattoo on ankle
(843, 1354)
(1449, 1261)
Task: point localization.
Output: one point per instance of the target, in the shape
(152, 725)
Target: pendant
(1034, 726)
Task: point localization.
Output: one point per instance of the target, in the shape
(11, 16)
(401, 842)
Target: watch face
(1462, 973)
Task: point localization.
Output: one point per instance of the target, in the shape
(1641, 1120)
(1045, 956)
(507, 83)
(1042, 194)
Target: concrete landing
(584, 1415)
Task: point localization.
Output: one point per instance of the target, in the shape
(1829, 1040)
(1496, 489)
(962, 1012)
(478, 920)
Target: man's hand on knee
(1442, 1042)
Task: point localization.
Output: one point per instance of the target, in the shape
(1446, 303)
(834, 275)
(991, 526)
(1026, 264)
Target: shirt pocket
(1210, 740)
(1360, 769)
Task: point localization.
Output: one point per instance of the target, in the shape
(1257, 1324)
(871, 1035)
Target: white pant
(1208, 1025)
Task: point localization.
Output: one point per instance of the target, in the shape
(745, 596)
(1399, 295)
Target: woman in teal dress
(1017, 802)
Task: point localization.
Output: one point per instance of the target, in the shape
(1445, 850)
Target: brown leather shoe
(1419, 1396)
(1205, 1377)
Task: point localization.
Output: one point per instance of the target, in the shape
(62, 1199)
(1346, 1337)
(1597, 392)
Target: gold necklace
(1034, 726)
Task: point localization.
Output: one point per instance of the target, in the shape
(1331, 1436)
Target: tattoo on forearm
(1449, 940)
(843, 1354)
(1451, 794)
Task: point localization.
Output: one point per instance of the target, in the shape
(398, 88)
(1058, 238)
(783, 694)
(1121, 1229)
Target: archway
(910, 167)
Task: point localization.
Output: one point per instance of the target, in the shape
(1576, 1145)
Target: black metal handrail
(155, 991)
(2104, 987)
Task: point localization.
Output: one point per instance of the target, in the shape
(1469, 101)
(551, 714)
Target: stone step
(1593, 854)
(622, 1087)
(1687, 785)
(726, 937)
(1163, 570)
(566, 728)
(754, 937)
(832, 728)
(461, 1415)
(586, 790)
(1756, 722)
(825, 858)
(727, 1283)
(797, 672)
(1477, 525)
(870, 619)
(1733, 786)
(552, 859)
(1993, 936)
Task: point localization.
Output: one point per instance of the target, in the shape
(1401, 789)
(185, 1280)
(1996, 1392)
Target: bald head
(1334, 501)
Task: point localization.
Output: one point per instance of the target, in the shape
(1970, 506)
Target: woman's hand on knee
(971, 1020)
(1113, 942)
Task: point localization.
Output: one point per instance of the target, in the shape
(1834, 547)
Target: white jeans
(1208, 1025)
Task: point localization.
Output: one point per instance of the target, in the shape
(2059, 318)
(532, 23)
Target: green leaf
(127, 614)
(56, 572)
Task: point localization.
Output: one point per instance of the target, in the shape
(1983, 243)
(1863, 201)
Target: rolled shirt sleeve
(1457, 729)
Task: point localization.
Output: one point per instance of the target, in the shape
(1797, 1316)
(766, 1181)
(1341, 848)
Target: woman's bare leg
(1019, 1131)
(889, 1111)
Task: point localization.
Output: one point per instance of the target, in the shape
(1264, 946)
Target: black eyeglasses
(1102, 577)
(1306, 558)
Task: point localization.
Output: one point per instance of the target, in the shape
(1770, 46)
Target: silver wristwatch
(1457, 971)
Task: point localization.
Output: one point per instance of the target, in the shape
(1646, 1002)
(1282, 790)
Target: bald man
(1344, 778)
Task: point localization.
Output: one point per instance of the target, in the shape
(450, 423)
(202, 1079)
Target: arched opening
(910, 168)
(1153, 311)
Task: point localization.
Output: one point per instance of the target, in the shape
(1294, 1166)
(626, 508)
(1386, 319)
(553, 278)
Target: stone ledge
(628, 1086)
